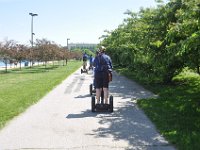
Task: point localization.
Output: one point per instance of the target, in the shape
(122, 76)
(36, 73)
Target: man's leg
(98, 82)
(105, 87)
(106, 93)
(98, 95)
(84, 65)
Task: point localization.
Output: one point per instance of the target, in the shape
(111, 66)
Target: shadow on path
(83, 96)
(127, 122)
(85, 114)
(126, 88)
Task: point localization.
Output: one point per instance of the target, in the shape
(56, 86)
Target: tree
(6, 51)
(19, 53)
(158, 41)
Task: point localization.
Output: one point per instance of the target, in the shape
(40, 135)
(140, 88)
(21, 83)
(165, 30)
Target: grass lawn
(20, 89)
(176, 113)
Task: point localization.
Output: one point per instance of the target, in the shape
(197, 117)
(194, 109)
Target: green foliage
(165, 38)
(89, 52)
(153, 47)
(81, 51)
(176, 110)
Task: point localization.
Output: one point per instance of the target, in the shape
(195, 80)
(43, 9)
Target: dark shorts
(101, 80)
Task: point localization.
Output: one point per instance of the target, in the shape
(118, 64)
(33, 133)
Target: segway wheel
(81, 71)
(93, 104)
(111, 103)
(90, 89)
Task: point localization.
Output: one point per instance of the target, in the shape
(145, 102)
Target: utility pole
(67, 43)
(32, 33)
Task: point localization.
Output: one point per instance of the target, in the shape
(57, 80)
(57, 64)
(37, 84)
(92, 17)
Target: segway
(92, 89)
(84, 70)
(90, 67)
(102, 106)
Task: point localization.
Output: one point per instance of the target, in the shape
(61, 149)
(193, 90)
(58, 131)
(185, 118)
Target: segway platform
(84, 71)
(102, 106)
(90, 67)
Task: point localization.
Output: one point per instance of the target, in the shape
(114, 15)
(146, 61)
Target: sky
(81, 21)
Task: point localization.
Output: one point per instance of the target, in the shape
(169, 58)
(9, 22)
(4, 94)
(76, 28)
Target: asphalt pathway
(63, 120)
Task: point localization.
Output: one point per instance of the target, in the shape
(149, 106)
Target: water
(2, 64)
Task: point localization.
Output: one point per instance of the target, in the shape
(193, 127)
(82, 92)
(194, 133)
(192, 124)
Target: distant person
(91, 59)
(84, 60)
(95, 65)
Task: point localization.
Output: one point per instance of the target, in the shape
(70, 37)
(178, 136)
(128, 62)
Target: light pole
(32, 15)
(67, 43)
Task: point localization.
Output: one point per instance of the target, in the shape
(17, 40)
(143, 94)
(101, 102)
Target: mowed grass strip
(20, 89)
(176, 112)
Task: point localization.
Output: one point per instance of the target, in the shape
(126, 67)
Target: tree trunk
(198, 70)
(20, 63)
(167, 78)
(6, 66)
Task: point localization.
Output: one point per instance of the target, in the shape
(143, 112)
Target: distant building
(82, 46)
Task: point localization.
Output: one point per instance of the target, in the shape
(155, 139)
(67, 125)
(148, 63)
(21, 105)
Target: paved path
(63, 120)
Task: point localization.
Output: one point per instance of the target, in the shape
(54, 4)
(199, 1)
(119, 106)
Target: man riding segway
(84, 63)
(103, 75)
(91, 59)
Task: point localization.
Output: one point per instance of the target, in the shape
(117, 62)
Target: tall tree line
(43, 51)
(158, 41)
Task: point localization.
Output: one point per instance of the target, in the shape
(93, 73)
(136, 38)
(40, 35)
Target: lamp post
(67, 43)
(32, 15)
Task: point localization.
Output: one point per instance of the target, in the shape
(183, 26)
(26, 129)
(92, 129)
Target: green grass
(19, 89)
(176, 112)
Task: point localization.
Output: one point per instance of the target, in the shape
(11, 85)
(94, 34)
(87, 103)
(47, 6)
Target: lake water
(2, 64)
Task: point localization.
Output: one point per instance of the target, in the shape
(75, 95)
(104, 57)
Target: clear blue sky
(83, 21)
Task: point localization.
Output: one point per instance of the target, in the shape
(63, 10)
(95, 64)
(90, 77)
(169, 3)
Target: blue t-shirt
(96, 64)
(106, 62)
(102, 63)
(91, 59)
(84, 57)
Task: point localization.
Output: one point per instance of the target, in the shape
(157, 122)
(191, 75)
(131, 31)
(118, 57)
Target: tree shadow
(28, 70)
(82, 96)
(85, 114)
(125, 123)
(126, 88)
(128, 123)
